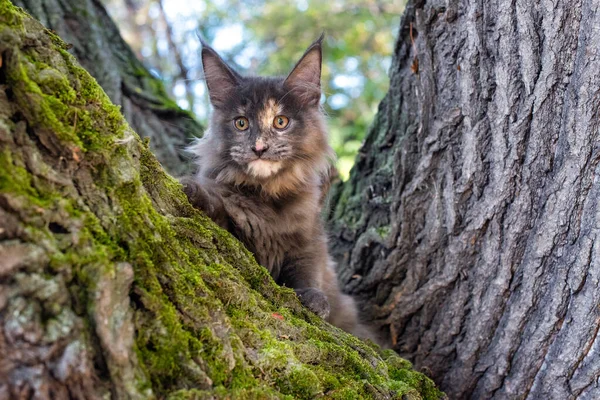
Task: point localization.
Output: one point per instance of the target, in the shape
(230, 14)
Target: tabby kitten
(263, 168)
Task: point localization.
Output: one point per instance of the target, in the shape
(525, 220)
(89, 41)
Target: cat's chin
(263, 168)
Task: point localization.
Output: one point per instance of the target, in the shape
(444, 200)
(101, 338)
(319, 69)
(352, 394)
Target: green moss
(11, 16)
(209, 321)
(383, 231)
(254, 393)
(14, 178)
(300, 382)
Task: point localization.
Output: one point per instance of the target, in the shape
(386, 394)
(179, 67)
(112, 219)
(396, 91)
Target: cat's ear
(305, 78)
(221, 80)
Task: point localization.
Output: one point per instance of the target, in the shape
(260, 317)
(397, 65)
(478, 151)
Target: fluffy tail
(344, 313)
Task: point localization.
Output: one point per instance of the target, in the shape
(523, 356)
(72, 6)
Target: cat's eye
(241, 123)
(280, 122)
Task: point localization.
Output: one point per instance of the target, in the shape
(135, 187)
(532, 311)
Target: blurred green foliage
(268, 37)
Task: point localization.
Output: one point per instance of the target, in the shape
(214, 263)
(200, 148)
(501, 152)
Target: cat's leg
(344, 315)
(344, 311)
(304, 273)
(206, 199)
(315, 300)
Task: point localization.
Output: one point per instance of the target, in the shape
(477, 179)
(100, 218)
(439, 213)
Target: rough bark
(113, 286)
(98, 46)
(470, 222)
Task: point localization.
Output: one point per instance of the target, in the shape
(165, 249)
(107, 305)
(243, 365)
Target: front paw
(315, 300)
(191, 188)
(196, 195)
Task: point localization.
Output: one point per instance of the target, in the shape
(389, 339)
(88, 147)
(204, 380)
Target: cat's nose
(259, 149)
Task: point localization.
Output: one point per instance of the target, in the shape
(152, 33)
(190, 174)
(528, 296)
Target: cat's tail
(345, 315)
(344, 312)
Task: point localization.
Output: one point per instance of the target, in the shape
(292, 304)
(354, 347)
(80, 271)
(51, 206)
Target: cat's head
(266, 131)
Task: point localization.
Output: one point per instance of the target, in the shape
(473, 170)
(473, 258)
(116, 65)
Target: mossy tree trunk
(113, 286)
(98, 46)
(470, 223)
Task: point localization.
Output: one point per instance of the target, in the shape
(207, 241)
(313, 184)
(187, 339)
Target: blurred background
(268, 37)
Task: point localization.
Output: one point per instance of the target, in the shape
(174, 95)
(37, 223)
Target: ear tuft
(305, 78)
(221, 80)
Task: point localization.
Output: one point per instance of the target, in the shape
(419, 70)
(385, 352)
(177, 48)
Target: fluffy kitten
(263, 170)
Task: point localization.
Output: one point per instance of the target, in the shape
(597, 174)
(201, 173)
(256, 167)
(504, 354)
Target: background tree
(470, 223)
(144, 102)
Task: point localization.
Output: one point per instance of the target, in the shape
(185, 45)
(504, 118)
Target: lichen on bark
(112, 284)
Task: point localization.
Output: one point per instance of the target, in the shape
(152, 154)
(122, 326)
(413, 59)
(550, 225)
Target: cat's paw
(196, 195)
(190, 186)
(315, 300)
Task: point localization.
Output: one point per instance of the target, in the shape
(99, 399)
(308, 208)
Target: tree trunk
(96, 42)
(113, 286)
(469, 225)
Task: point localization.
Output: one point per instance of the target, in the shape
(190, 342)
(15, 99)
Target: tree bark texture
(113, 286)
(469, 225)
(98, 46)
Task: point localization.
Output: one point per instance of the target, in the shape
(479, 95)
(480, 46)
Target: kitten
(263, 170)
